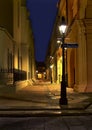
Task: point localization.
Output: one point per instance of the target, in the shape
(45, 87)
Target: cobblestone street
(47, 123)
(37, 108)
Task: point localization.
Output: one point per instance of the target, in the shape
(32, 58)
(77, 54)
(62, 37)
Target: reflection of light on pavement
(76, 100)
(55, 97)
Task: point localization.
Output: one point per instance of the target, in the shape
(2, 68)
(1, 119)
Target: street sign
(70, 45)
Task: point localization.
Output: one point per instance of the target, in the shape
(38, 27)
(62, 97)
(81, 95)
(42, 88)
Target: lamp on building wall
(59, 42)
(63, 96)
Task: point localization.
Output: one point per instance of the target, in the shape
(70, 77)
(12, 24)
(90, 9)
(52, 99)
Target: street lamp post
(63, 96)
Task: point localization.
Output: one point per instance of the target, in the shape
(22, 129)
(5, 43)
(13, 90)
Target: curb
(41, 113)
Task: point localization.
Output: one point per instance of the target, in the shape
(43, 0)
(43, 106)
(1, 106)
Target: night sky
(42, 16)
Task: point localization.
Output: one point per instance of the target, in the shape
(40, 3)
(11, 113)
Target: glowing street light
(63, 97)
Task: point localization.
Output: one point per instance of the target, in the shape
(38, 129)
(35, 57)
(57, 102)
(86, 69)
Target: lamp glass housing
(62, 28)
(58, 41)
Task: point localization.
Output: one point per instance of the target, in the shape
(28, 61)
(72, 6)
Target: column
(80, 62)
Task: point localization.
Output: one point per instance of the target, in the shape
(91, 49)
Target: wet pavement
(47, 123)
(37, 108)
(42, 99)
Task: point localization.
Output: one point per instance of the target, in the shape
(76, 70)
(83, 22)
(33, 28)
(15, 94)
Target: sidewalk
(43, 100)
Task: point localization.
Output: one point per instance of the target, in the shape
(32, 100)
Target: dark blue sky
(42, 15)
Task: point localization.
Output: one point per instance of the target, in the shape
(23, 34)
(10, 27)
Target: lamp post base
(63, 101)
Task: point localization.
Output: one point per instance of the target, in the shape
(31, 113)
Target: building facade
(17, 59)
(78, 15)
